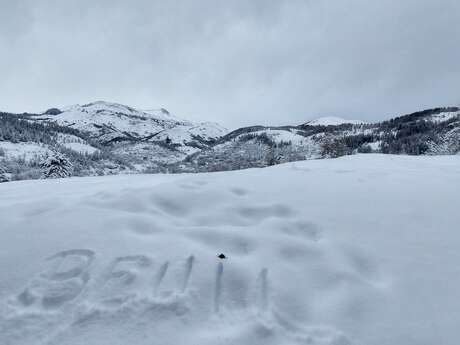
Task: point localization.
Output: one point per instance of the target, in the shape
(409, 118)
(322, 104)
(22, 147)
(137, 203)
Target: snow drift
(356, 250)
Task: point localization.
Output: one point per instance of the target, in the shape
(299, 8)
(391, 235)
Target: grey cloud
(234, 62)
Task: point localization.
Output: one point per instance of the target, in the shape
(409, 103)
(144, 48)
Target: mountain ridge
(332, 121)
(102, 138)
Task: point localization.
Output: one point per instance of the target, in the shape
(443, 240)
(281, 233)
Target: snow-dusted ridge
(332, 121)
(112, 121)
(110, 138)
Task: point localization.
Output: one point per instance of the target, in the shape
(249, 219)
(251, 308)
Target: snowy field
(362, 250)
(26, 151)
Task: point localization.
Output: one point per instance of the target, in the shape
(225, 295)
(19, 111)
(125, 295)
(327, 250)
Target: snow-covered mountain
(433, 131)
(110, 122)
(102, 138)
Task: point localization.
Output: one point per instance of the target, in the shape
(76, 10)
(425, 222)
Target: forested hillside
(103, 138)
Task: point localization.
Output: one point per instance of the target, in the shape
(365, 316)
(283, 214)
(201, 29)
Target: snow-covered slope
(444, 116)
(26, 151)
(256, 148)
(332, 121)
(356, 250)
(283, 136)
(75, 144)
(102, 137)
(108, 122)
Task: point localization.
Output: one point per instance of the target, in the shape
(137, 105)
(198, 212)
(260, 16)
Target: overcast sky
(234, 62)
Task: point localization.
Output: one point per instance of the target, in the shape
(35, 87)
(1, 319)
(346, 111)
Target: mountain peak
(103, 106)
(109, 122)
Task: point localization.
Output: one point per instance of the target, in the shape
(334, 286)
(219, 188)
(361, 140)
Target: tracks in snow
(160, 276)
(72, 294)
(71, 275)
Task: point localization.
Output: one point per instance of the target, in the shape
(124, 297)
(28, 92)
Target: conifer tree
(4, 176)
(57, 165)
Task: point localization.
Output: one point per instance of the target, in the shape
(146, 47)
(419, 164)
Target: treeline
(18, 128)
(413, 134)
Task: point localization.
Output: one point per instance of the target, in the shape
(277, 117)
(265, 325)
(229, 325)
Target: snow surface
(332, 121)
(376, 145)
(183, 134)
(445, 116)
(76, 144)
(281, 135)
(24, 150)
(81, 148)
(357, 250)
